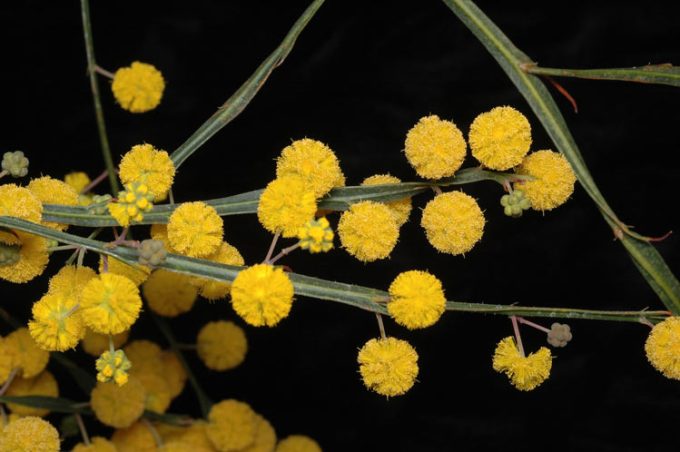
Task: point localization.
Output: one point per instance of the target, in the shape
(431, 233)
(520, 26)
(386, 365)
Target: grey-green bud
(99, 204)
(15, 163)
(559, 335)
(152, 253)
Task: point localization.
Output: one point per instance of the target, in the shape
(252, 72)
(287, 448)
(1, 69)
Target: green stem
(663, 74)
(94, 86)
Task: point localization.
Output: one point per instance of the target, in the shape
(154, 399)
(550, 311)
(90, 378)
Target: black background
(360, 76)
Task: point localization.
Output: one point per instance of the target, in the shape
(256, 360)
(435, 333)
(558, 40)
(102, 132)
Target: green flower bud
(152, 253)
(15, 163)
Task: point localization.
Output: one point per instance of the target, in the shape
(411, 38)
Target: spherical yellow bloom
(262, 295)
(231, 425)
(42, 384)
(53, 191)
(388, 366)
(314, 162)
(70, 280)
(138, 88)
(265, 437)
(215, 290)
(132, 203)
(19, 202)
(135, 273)
(401, 208)
(500, 138)
(160, 232)
(368, 231)
(524, 372)
(56, 323)
(26, 354)
(298, 443)
(24, 255)
(169, 294)
(29, 434)
(553, 181)
(453, 222)
(286, 204)
(416, 299)
(173, 372)
(663, 347)
(97, 444)
(194, 435)
(135, 438)
(435, 148)
(144, 355)
(113, 366)
(221, 345)
(6, 361)
(195, 229)
(316, 236)
(118, 406)
(153, 167)
(110, 304)
(78, 180)
(157, 391)
(95, 343)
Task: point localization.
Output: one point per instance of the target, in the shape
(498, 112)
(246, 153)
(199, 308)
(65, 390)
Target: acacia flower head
(70, 280)
(416, 299)
(231, 425)
(158, 395)
(23, 256)
(173, 372)
(663, 347)
(118, 406)
(316, 236)
(286, 204)
(25, 352)
(113, 366)
(368, 231)
(401, 208)
(195, 229)
(500, 138)
(29, 433)
(388, 366)
(135, 273)
(553, 179)
(146, 164)
(262, 295)
(19, 202)
(78, 180)
(97, 444)
(315, 164)
(56, 323)
(132, 203)
(525, 372)
(297, 443)
(144, 354)
(110, 303)
(42, 384)
(211, 289)
(221, 345)
(453, 222)
(53, 191)
(435, 148)
(136, 437)
(169, 294)
(139, 87)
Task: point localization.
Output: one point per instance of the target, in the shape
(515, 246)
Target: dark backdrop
(359, 77)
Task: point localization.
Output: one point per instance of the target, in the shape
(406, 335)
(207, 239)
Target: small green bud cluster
(559, 335)
(515, 203)
(15, 164)
(99, 204)
(152, 253)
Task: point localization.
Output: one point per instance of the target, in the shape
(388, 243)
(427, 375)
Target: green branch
(353, 295)
(661, 74)
(94, 86)
(242, 97)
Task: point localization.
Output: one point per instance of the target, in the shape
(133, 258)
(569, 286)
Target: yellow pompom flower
(663, 347)
(78, 180)
(435, 148)
(314, 162)
(23, 256)
(401, 208)
(169, 294)
(160, 232)
(97, 444)
(135, 438)
(132, 203)
(95, 343)
(56, 323)
(262, 295)
(6, 361)
(524, 372)
(157, 391)
(135, 273)
(113, 366)
(453, 222)
(416, 299)
(138, 88)
(118, 406)
(553, 181)
(500, 138)
(231, 425)
(316, 236)
(215, 290)
(195, 229)
(368, 231)
(110, 304)
(388, 366)
(194, 435)
(265, 437)
(19, 202)
(29, 434)
(70, 280)
(153, 167)
(26, 354)
(221, 345)
(285, 205)
(298, 443)
(144, 355)
(53, 191)
(173, 372)
(42, 384)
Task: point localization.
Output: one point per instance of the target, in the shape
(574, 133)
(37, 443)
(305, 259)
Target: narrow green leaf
(660, 74)
(68, 427)
(511, 60)
(56, 404)
(241, 98)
